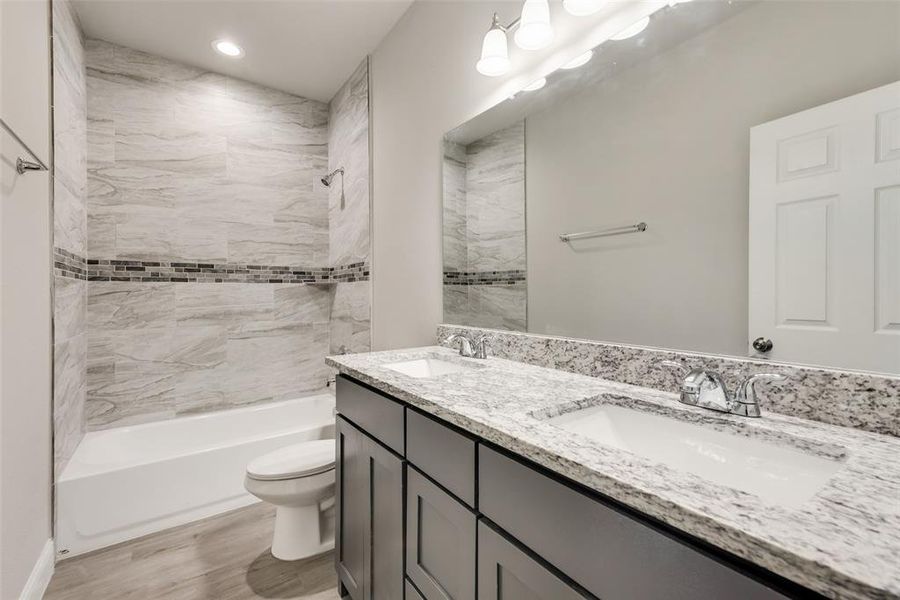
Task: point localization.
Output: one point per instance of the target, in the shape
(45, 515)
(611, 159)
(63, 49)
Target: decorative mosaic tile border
(865, 401)
(69, 264)
(208, 272)
(484, 277)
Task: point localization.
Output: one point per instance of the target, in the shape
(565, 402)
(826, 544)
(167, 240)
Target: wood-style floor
(225, 557)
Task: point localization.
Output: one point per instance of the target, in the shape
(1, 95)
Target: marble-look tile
(277, 244)
(69, 308)
(348, 144)
(350, 318)
(177, 154)
(846, 398)
(69, 395)
(455, 253)
(69, 231)
(495, 200)
(456, 303)
(497, 306)
(301, 303)
(230, 305)
(117, 305)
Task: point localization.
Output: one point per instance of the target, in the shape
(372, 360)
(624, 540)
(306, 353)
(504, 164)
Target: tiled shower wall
(484, 231)
(70, 234)
(348, 224)
(205, 214)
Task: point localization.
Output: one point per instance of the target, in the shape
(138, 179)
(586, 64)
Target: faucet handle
(482, 345)
(746, 399)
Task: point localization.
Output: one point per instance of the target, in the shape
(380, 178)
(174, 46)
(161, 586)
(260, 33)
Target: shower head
(326, 181)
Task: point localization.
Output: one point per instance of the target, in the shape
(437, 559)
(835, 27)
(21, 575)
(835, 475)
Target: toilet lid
(290, 462)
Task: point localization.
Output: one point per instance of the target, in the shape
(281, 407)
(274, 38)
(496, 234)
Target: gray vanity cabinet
(369, 524)
(440, 541)
(507, 573)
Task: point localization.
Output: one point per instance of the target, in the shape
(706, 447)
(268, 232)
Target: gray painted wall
(26, 453)
(667, 142)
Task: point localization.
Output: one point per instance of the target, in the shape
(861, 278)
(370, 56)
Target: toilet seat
(293, 462)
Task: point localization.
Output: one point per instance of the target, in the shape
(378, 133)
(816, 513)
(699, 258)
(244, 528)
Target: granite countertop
(844, 542)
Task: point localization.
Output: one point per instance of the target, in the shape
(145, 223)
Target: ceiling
(305, 47)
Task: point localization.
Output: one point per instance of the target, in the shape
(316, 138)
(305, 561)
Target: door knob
(762, 344)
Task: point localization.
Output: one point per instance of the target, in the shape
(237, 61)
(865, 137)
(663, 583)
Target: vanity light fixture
(579, 60)
(494, 51)
(535, 85)
(535, 31)
(583, 8)
(632, 30)
(228, 48)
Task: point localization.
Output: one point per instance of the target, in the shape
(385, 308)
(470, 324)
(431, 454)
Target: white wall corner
(41, 573)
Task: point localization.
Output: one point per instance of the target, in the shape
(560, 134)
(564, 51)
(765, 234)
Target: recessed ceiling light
(632, 30)
(228, 48)
(535, 85)
(578, 60)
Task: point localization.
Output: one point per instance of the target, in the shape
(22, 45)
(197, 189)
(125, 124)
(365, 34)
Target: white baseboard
(41, 573)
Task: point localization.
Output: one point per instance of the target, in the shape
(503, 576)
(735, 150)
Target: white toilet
(299, 481)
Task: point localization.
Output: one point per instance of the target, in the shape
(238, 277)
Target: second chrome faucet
(707, 389)
(469, 347)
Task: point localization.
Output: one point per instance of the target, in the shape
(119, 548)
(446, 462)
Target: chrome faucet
(707, 389)
(468, 347)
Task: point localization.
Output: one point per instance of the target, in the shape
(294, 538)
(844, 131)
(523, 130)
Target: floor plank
(225, 557)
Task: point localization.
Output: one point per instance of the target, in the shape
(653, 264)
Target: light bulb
(579, 60)
(632, 30)
(494, 54)
(535, 85)
(228, 48)
(582, 8)
(534, 30)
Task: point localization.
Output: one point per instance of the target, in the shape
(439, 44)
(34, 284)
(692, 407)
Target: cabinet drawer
(376, 414)
(446, 456)
(507, 573)
(440, 541)
(609, 553)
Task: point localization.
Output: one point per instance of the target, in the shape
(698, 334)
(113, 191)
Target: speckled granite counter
(844, 542)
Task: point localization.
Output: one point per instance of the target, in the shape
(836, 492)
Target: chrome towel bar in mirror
(638, 228)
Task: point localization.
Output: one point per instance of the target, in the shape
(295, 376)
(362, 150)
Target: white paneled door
(825, 233)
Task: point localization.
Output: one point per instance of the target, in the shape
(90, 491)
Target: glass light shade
(632, 30)
(579, 60)
(228, 48)
(535, 85)
(534, 30)
(494, 54)
(582, 8)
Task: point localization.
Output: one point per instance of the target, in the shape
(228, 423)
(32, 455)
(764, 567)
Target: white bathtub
(127, 482)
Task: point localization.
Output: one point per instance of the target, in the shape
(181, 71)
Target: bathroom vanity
(462, 478)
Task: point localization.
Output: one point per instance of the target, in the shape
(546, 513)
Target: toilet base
(302, 532)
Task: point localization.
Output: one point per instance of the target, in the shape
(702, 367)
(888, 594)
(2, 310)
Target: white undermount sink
(777, 473)
(427, 367)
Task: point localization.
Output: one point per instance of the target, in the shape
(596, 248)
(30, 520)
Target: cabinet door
(507, 573)
(369, 527)
(351, 514)
(384, 576)
(440, 542)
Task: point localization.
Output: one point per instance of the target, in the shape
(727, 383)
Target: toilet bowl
(299, 481)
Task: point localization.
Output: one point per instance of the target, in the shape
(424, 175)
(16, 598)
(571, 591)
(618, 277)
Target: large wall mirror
(730, 174)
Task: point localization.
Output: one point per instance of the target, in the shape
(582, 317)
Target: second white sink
(427, 367)
(780, 474)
